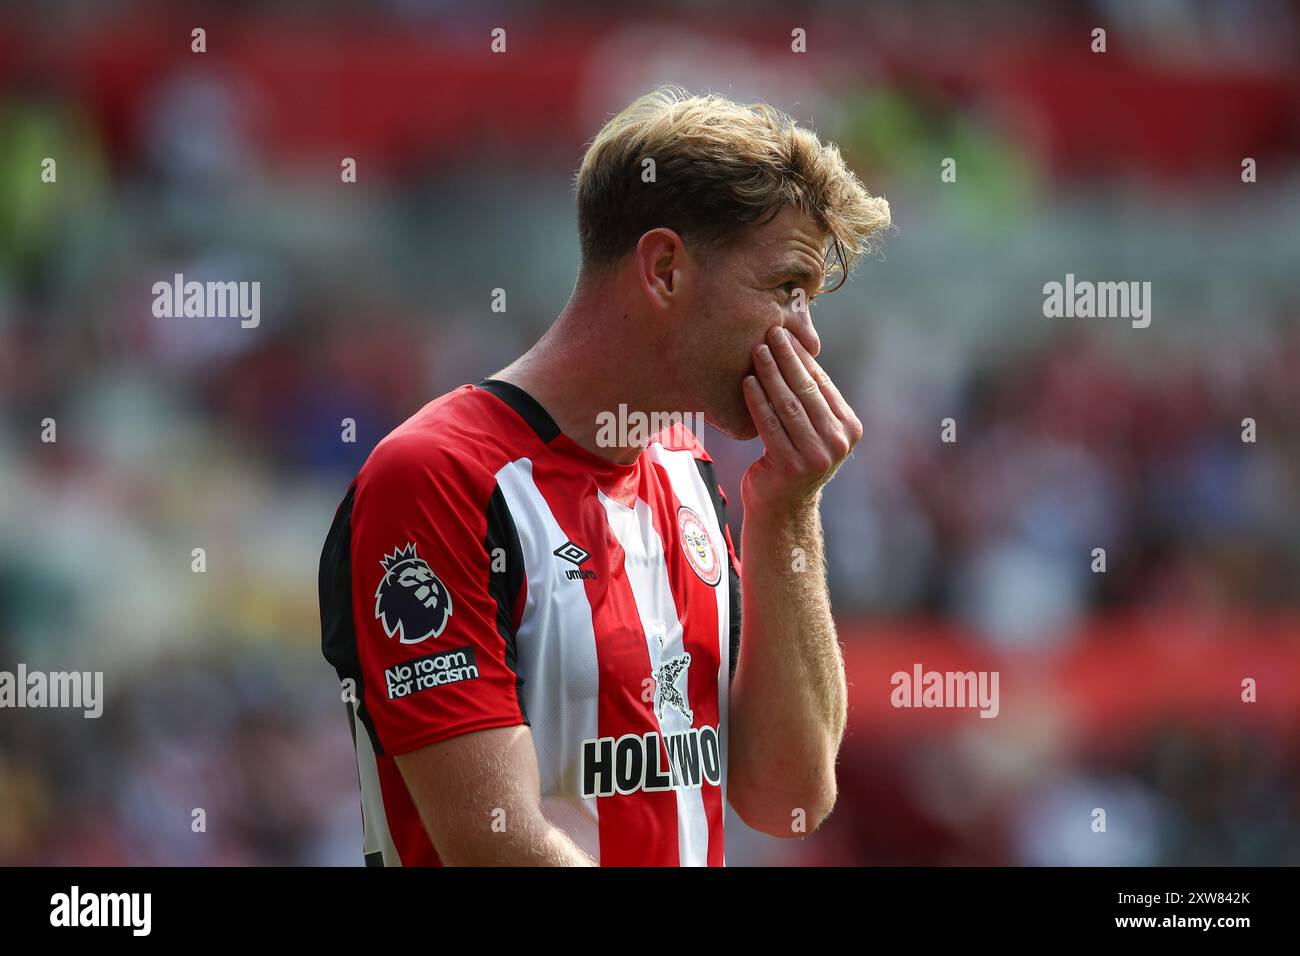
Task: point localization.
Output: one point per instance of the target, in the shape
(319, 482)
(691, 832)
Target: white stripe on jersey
(691, 491)
(376, 836)
(647, 572)
(561, 673)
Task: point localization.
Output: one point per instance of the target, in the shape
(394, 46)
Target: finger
(802, 383)
(789, 407)
(838, 405)
(828, 389)
(768, 423)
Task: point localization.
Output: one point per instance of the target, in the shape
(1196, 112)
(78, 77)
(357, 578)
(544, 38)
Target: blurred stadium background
(1118, 690)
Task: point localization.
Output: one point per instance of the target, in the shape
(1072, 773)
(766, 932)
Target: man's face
(744, 290)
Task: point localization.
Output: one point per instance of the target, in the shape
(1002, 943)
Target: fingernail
(764, 353)
(781, 333)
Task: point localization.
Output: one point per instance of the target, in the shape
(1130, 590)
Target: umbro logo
(574, 555)
(571, 552)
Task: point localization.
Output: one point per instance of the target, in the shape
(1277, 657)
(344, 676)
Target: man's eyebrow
(816, 281)
(800, 272)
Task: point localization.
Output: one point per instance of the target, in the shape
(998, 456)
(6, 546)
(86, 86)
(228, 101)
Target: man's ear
(663, 267)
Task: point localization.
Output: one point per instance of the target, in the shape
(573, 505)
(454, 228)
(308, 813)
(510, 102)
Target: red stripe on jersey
(699, 635)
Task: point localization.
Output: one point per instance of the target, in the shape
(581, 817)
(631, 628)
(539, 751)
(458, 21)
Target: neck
(580, 372)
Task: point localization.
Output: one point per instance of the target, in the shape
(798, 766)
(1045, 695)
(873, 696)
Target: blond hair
(718, 166)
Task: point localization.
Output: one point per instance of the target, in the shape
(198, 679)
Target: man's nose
(801, 327)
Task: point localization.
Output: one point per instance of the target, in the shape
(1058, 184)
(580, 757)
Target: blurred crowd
(223, 740)
(1184, 468)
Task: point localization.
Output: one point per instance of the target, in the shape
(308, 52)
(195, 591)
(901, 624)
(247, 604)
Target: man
(540, 629)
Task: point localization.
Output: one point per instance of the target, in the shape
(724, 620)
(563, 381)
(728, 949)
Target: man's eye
(788, 288)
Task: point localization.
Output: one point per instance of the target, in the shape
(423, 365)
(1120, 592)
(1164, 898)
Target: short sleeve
(435, 588)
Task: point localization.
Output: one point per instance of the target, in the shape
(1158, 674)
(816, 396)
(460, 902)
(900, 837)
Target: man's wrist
(774, 512)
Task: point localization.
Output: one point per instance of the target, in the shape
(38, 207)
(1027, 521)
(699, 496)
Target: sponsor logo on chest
(685, 760)
(682, 761)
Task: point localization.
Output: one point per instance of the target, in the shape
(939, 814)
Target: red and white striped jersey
(485, 570)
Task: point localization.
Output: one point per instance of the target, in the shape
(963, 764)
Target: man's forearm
(535, 842)
(788, 700)
(479, 800)
(544, 845)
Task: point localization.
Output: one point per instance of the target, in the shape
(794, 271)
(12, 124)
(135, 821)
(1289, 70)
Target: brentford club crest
(698, 546)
